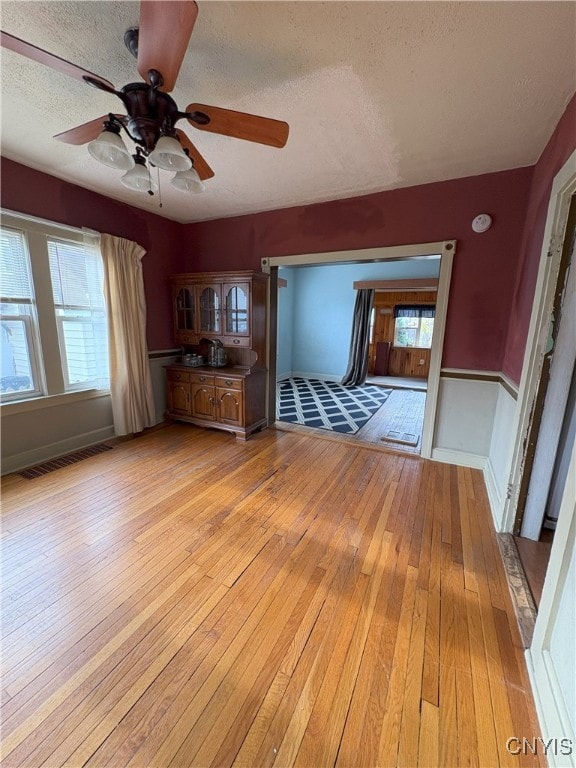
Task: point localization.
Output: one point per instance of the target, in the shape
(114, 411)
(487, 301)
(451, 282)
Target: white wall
(563, 640)
(551, 658)
(464, 420)
(42, 429)
(497, 470)
(285, 335)
(158, 375)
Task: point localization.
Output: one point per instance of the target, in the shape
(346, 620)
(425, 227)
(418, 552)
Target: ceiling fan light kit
(159, 44)
(138, 177)
(109, 149)
(169, 156)
(187, 181)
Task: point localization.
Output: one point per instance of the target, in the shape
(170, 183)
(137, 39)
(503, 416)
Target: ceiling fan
(159, 43)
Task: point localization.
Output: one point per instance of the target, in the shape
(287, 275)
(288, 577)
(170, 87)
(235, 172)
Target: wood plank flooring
(403, 412)
(189, 600)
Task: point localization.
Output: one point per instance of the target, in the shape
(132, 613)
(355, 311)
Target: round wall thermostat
(482, 222)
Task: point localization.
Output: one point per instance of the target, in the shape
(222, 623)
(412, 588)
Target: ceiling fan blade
(50, 60)
(165, 29)
(86, 132)
(240, 125)
(201, 166)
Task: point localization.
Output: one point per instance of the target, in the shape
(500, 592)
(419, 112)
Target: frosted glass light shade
(110, 150)
(187, 181)
(139, 179)
(169, 155)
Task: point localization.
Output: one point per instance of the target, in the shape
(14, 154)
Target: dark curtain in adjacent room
(358, 361)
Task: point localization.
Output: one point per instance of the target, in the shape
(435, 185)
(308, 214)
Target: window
(77, 279)
(53, 330)
(19, 370)
(414, 325)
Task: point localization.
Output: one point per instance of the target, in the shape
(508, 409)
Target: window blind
(77, 279)
(15, 280)
(76, 272)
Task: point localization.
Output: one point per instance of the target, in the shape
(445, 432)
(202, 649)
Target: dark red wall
(494, 273)
(484, 268)
(37, 194)
(558, 150)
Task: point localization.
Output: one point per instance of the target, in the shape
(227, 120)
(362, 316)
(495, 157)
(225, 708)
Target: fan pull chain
(159, 188)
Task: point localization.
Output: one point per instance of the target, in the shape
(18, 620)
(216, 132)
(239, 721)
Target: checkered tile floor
(327, 405)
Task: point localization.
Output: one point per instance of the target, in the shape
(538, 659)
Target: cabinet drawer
(236, 341)
(174, 375)
(202, 378)
(227, 382)
(186, 337)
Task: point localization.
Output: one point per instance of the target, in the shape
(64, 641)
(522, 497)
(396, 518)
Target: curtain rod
(49, 223)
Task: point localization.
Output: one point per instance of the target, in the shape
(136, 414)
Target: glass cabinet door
(236, 309)
(184, 310)
(209, 309)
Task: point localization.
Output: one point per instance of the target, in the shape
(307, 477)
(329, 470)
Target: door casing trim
(563, 187)
(446, 249)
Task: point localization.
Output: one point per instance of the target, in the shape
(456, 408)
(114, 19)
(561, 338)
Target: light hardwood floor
(403, 412)
(189, 600)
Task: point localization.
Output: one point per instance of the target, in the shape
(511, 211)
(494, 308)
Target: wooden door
(236, 306)
(230, 410)
(179, 398)
(184, 315)
(209, 302)
(203, 404)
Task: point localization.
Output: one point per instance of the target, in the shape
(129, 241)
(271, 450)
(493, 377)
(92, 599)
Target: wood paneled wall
(409, 362)
(404, 361)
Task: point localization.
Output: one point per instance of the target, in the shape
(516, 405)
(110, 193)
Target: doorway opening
(421, 257)
(553, 424)
(401, 334)
(540, 478)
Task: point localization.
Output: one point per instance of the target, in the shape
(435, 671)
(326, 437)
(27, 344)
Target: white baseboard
(554, 721)
(20, 461)
(319, 376)
(459, 458)
(494, 495)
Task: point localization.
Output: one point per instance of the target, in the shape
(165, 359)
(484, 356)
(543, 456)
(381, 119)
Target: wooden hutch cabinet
(227, 308)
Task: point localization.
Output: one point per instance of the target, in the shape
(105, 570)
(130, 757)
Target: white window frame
(60, 319)
(30, 332)
(46, 353)
(30, 322)
(417, 345)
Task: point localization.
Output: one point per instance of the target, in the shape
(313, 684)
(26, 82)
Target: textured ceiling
(378, 95)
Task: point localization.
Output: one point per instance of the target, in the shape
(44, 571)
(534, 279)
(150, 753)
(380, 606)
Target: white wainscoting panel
(157, 362)
(498, 466)
(464, 421)
(39, 434)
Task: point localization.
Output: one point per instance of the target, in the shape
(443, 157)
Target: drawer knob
(202, 378)
(236, 341)
(229, 382)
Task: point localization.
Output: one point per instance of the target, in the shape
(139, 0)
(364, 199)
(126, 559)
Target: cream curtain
(130, 380)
